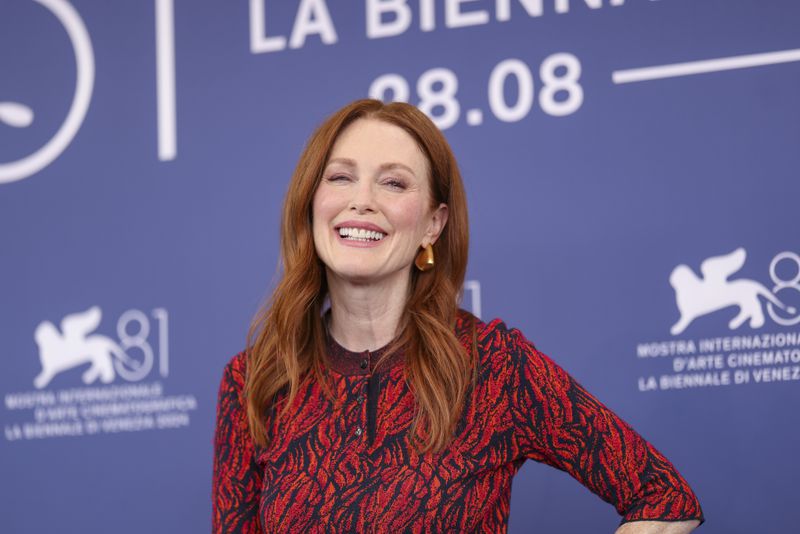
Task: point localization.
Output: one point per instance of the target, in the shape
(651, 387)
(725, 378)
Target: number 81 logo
(135, 345)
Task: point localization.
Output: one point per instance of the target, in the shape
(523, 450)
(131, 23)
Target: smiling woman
(393, 409)
(374, 209)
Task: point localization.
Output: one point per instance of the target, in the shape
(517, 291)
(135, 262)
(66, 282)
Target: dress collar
(347, 362)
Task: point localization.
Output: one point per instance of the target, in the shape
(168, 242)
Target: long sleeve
(559, 423)
(237, 478)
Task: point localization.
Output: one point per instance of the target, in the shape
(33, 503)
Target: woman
(393, 410)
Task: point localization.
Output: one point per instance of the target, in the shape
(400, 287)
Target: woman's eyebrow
(391, 166)
(344, 161)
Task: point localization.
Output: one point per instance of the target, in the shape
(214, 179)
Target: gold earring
(424, 260)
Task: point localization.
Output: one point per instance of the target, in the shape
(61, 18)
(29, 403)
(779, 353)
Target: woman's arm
(237, 477)
(559, 423)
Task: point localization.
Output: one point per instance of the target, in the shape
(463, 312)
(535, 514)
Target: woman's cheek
(328, 203)
(410, 213)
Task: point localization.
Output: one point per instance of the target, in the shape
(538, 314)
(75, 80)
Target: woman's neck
(366, 316)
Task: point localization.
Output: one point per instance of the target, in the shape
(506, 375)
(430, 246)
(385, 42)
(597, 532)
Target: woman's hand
(658, 527)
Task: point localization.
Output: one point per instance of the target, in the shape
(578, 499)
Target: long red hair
(287, 339)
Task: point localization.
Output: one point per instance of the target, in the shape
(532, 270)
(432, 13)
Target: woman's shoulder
(494, 338)
(505, 354)
(233, 374)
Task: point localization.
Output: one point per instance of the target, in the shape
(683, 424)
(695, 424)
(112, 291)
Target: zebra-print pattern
(348, 466)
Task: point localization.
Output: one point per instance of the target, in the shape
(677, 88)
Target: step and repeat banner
(632, 176)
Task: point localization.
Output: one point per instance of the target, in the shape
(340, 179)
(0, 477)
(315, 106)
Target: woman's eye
(395, 184)
(338, 178)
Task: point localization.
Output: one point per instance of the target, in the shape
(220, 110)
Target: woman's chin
(359, 276)
(362, 275)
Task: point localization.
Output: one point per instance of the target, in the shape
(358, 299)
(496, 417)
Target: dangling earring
(424, 260)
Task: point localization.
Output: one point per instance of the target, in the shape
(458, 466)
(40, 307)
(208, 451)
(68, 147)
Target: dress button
(358, 431)
(364, 364)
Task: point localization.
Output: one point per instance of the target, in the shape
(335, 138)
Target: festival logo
(762, 354)
(19, 115)
(121, 390)
(696, 296)
(74, 346)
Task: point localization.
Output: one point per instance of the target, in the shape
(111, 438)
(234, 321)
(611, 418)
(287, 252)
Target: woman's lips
(360, 224)
(357, 243)
(367, 230)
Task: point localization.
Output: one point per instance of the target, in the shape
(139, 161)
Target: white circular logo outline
(773, 273)
(84, 84)
(782, 283)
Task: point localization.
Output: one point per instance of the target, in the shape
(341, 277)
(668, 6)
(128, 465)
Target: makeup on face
(372, 207)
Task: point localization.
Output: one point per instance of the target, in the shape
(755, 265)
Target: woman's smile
(360, 234)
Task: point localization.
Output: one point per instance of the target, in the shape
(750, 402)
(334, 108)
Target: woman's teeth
(360, 234)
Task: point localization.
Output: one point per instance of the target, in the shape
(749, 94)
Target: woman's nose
(363, 198)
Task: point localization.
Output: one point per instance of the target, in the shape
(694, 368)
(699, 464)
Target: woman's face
(372, 209)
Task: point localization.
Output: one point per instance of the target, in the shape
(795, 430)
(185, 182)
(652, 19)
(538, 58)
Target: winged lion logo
(74, 346)
(697, 296)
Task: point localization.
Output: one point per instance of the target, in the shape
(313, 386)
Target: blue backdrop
(609, 148)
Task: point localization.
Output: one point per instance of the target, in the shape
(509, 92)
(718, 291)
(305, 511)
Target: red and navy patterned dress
(351, 468)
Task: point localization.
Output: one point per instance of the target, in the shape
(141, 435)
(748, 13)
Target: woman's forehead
(376, 143)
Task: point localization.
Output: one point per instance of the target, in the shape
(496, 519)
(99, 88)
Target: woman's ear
(436, 225)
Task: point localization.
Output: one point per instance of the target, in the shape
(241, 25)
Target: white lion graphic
(59, 351)
(700, 296)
